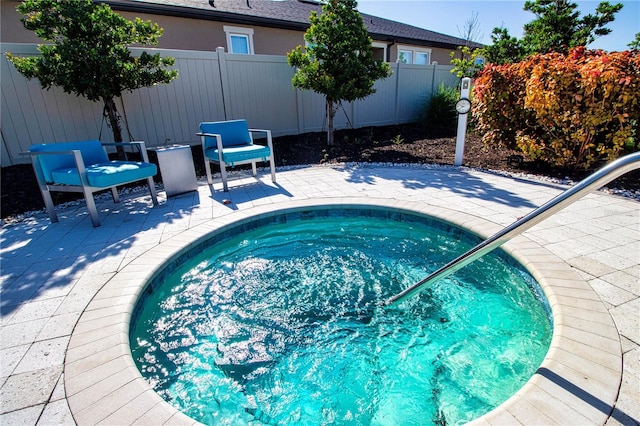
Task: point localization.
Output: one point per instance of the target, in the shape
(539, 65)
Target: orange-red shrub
(570, 110)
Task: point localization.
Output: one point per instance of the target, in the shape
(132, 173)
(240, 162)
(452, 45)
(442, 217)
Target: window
(239, 44)
(480, 61)
(239, 40)
(379, 51)
(422, 58)
(405, 56)
(412, 55)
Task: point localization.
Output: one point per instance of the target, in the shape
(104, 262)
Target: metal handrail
(591, 183)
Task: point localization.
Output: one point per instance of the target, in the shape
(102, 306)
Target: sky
(449, 17)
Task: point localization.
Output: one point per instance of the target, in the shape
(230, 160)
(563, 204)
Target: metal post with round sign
(463, 106)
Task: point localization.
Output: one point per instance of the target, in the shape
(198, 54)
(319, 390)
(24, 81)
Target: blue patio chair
(232, 143)
(85, 167)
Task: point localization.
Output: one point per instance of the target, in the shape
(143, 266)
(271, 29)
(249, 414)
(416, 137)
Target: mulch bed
(389, 144)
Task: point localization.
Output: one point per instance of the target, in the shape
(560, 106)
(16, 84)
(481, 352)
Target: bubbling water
(281, 325)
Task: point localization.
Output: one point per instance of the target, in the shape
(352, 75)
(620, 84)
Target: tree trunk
(331, 112)
(111, 112)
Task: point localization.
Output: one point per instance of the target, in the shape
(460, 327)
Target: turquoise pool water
(276, 322)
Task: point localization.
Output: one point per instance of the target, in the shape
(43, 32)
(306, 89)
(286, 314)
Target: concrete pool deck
(61, 351)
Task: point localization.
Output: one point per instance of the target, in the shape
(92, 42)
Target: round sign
(463, 106)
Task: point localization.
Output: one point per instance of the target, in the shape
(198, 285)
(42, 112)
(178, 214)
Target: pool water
(280, 325)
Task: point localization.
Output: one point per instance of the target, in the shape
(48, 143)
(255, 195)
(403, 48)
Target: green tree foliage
(469, 62)
(89, 55)
(504, 48)
(557, 27)
(635, 44)
(338, 61)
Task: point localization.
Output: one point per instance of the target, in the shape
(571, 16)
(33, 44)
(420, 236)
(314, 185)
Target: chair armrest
(268, 133)
(77, 158)
(218, 141)
(132, 143)
(140, 144)
(36, 153)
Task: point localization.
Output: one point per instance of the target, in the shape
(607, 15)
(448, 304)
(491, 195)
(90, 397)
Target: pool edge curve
(578, 380)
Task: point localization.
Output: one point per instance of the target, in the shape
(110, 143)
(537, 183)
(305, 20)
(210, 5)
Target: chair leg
(114, 194)
(91, 206)
(223, 172)
(272, 163)
(152, 190)
(48, 202)
(254, 169)
(207, 167)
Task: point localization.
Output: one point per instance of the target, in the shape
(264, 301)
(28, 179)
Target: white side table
(177, 169)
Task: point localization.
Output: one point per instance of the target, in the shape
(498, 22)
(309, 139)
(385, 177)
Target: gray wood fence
(210, 86)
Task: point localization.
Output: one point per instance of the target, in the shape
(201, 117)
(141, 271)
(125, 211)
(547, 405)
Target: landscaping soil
(389, 144)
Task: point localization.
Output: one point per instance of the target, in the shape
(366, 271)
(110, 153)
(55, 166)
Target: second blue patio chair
(232, 143)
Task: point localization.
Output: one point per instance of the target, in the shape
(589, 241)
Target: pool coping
(577, 382)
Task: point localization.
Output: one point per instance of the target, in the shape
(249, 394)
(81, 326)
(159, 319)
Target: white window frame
(379, 45)
(242, 32)
(382, 46)
(413, 51)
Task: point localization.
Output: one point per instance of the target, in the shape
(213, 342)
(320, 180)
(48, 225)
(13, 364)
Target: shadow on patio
(455, 180)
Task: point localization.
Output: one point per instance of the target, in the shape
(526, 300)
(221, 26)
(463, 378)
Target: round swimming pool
(276, 321)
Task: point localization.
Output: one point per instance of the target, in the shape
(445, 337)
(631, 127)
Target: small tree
(471, 31)
(504, 48)
(338, 60)
(635, 44)
(557, 27)
(469, 62)
(90, 54)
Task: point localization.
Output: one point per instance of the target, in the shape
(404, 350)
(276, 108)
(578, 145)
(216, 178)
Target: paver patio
(56, 279)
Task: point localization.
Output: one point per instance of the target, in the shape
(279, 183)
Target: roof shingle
(286, 13)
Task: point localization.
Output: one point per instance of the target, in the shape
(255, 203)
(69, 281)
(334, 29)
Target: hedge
(571, 109)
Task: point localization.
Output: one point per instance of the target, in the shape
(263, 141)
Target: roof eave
(209, 15)
(240, 19)
(416, 42)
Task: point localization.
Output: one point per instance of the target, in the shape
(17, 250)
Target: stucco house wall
(193, 34)
(11, 29)
(194, 28)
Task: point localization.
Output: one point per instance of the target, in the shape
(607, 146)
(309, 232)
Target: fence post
(300, 110)
(397, 95)
(433, 77)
